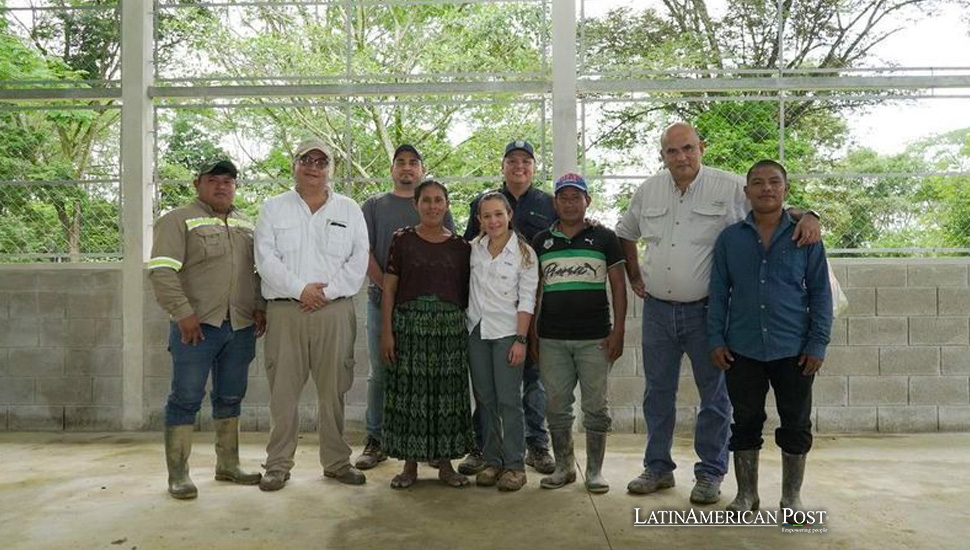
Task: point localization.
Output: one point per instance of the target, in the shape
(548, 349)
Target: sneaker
(372, 456)
(273, 480)
(651, 482)
(511, 480)
(540, 459)
(472, 464)
(706, 490)
(348, 475)
(488, 476)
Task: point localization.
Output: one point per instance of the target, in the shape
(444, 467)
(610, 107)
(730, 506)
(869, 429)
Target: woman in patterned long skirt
(424, 343)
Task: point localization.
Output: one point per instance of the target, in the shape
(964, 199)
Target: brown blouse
(423, 267)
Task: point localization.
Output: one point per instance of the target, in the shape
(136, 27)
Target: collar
(554, 229)
(690, 186)
(208, 209)
(509, 245)
(512, 200)
(786, 221)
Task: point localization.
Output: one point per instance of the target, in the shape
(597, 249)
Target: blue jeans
(566, 362)
(534, 405)
(670, 330)
(374, 417)
(498, 395)
(224, 352)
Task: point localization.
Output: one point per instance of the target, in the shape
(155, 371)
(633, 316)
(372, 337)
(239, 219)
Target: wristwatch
(521, 338)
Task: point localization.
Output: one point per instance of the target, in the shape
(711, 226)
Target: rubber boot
(227, 454)
(562, 446)
(178, 447)
(595, 451)
(746, 472)
(792, 474)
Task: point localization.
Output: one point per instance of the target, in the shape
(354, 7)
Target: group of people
(530, 301)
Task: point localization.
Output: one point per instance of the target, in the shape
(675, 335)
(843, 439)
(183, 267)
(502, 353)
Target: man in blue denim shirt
(769, 320)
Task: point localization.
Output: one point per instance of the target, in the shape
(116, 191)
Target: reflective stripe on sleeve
(164, 261)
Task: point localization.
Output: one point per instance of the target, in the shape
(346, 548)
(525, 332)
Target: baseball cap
(406, 148)
(311, 144)
(520, 145)
(571, 180)
(219, 167)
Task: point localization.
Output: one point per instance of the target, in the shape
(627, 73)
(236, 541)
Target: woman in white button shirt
(502, 297)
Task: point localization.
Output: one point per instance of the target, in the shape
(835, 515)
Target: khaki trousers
(318, 344)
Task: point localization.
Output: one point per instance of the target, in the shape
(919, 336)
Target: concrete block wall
(60, 349)
(899, 360)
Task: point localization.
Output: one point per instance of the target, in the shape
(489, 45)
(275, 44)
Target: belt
(702, 301)
(295, 300)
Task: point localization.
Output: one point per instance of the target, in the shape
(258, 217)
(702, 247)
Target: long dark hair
(524, 248)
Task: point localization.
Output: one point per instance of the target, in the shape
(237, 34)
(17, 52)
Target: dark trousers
(747, 383)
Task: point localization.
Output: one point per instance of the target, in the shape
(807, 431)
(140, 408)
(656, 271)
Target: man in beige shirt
(679, 214)
(203, 275)
(312, 252)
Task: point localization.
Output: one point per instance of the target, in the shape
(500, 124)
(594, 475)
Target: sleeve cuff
(182, 311)
(715, 342)
(815, 349)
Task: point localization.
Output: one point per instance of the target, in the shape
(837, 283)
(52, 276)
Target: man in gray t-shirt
(385, 214)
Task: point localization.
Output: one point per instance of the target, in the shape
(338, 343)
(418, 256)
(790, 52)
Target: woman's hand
(387, 348)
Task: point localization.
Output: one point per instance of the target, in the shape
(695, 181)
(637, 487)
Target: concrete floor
(108, 491)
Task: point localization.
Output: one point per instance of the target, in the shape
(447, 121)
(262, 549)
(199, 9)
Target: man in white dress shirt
(679, 214)
(311, 252)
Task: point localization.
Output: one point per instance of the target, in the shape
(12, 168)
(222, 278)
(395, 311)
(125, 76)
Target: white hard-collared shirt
(295, 247)
(500, 288)
(680, 230)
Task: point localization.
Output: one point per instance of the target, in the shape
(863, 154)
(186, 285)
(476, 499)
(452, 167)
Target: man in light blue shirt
(769, 320)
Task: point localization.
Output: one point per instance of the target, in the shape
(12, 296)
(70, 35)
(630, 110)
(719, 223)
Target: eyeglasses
(319, 162)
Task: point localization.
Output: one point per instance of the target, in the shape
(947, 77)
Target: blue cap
(520, 145)
(571, 180)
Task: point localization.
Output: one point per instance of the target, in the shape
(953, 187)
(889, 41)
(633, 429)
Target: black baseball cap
(406, 148)
(520, 145)
(219, 167)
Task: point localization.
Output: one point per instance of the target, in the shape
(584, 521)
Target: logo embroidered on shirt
(548, 244)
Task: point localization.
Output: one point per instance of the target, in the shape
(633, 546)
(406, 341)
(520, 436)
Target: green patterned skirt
(426, 402)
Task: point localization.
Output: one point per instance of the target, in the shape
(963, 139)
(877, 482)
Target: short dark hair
(768, 163)
(428, 183)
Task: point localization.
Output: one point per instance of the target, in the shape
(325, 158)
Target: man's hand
(259, 319)
(312, 298)
(638, 286)
(191, 330)
(721, 358)
(613, 345)
(387, 348)
(811, 363)
(517, 354)
(808, 230)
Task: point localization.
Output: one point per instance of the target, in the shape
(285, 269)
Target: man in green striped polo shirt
(577, 259)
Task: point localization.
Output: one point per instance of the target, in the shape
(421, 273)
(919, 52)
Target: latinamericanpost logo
(789, 520)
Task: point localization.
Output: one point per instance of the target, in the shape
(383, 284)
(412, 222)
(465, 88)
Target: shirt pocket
(287, 237)
(791, 263)
(337, 241)
(507, 278)
(214, 241)
(707, 222)
(652, 219)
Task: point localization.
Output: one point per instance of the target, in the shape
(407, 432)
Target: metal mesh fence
(913, 200)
